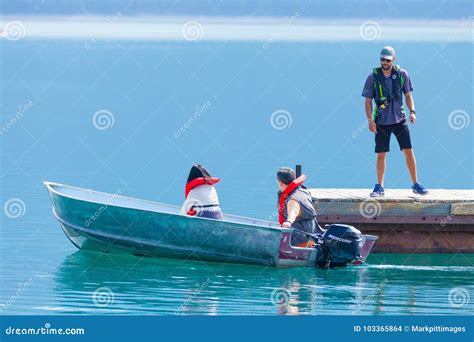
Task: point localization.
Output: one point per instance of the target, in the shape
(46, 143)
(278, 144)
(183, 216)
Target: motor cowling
(341, 245)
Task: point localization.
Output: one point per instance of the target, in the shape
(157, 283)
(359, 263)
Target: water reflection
(179, 287)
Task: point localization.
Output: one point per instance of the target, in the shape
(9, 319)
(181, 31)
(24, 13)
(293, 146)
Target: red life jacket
(289, 189)
(194, 183)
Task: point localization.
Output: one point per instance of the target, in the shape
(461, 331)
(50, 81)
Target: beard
(386, 66)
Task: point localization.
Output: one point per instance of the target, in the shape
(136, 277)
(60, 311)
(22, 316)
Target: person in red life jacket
(295, 208)
(200, 194)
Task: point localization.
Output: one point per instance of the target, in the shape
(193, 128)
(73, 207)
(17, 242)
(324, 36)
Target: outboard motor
(341, 245)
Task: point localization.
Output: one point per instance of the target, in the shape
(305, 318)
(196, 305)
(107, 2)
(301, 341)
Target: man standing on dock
(386, 86)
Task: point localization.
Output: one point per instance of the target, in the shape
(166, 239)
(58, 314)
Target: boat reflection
(166, 286)
(98, 283)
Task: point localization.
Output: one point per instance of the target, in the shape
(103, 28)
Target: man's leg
(381, 164)
(404, 140)
(411, 163)
(382, 147)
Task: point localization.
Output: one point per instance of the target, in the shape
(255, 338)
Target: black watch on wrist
(412, 111)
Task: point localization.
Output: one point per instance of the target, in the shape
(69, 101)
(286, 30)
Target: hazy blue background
(418, 9)
(152, 90)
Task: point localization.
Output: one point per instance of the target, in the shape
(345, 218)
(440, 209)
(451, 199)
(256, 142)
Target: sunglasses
(385, 60)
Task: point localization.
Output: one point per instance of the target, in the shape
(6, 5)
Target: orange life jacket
(289, 189)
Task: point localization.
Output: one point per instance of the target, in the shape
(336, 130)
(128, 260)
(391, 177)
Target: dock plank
(393, 195)
(463, 208)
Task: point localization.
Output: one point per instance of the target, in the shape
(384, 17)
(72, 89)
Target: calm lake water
(92, 283)
(167, 105)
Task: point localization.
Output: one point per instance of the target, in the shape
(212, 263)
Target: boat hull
(117, 224)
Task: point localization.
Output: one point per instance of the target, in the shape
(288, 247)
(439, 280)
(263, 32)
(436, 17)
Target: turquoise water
(92, 283)
(230, 89)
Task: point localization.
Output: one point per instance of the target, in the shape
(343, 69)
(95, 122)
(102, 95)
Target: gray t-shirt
(394, 113)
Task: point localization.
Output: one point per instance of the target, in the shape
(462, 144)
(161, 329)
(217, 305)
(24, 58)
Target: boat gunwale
(246, 225)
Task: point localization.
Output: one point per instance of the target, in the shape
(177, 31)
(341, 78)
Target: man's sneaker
(378, 191)
(419, 189)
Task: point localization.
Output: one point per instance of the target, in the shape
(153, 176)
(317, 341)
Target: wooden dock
(440, 222)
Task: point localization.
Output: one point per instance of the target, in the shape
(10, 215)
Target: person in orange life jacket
(200, 194)
(295, 208)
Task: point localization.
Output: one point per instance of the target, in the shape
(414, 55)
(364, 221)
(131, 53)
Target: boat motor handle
(315, 237)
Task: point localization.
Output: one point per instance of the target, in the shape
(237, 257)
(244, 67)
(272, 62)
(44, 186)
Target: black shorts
(382, 137)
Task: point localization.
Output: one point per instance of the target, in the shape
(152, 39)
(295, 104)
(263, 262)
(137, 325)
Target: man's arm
(293, 209)
(368, 113)
(411, 106)
(368, 94)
